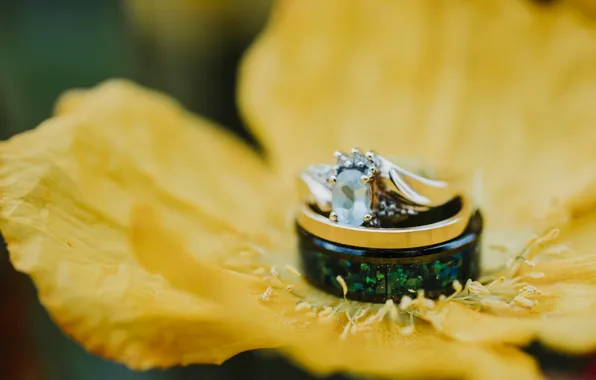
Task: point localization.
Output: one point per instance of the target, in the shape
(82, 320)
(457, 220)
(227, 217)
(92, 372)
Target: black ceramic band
(375, 275)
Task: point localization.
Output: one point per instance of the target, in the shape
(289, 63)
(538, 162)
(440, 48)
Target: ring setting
(384, 230)
(353, 188)
(369, 190)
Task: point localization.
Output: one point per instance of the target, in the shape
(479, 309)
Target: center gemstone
(351, 199)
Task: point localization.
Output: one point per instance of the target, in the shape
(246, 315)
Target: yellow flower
(155, 238)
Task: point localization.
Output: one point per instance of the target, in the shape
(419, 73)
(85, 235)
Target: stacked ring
(425, 250)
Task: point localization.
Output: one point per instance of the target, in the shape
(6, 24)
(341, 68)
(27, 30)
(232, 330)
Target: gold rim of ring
(385, 238)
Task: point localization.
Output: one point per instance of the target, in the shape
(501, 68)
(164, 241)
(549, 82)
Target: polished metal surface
(405, 192)
(367, 237)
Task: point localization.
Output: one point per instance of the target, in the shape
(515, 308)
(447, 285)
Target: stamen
(259, 271)
(369, 320)
(327, 311)
(344, 287)
(477, 288)
(496, 282)
(393, 314)
(360, 314)
(267, 293)
(346, 331)
(529, 263)
(523, 302)
(274, 272)
(557, 249)
(292, 270)
(405, 302)
(552, 235)
(457, 286)
(410, 328)
(257, 249)
(302, 306)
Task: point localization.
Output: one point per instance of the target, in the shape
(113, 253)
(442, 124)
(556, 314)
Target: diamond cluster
(388, 208)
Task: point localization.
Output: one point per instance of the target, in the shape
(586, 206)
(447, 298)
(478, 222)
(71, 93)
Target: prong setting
(352, 183)
(366, 164)
(352, 191)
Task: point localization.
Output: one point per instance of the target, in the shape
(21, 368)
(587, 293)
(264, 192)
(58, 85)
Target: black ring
(376, 275)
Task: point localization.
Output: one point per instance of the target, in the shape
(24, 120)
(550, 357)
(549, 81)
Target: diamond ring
(371, 231)
(369, 190)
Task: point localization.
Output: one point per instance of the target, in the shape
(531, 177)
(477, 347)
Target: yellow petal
(466, 325)
(428, 358)
(133, 255)
(68, 189)
(586, 6)
(275, 322)
(503, 89)
(567, 328)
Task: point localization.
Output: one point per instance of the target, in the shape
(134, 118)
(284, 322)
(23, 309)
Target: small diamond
(351, 199)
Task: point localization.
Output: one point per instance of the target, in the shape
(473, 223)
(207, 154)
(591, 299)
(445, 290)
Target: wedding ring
(439, 225)
(368, 189)
(415, 188)
(376, 275)
(370, 230)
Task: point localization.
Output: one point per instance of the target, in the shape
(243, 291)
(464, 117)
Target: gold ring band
(387, 238)
(416, 188)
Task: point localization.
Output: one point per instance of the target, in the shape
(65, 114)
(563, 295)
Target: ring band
(376, 275)
(413, 191)
(372, 231)
(389, 238)
(417, 189)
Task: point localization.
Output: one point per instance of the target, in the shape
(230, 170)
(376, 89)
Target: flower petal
(559, 315)
(428, 358)
(506, 90)
(276, 322)
(68, 189)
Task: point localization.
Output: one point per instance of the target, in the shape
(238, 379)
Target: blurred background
(189, 49)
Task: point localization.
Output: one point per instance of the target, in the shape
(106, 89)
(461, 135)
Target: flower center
(351, 199)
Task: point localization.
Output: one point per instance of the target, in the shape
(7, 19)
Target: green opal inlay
(388, 279)
(378, 275)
